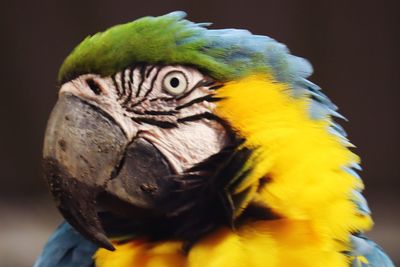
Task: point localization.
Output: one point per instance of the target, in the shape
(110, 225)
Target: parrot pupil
(174, 82)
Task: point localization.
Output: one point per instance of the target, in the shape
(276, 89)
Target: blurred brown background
(353, 45)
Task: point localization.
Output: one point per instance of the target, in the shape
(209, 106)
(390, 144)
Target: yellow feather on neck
(302, 159)
(307, 187)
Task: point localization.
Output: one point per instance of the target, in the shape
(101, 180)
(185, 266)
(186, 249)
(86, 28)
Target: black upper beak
(86, 154)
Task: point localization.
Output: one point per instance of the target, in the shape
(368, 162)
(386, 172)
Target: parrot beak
(86, 155)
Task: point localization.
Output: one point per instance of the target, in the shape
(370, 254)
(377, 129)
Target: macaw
(173, 144)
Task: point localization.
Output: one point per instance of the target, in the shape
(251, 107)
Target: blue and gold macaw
(176, 145)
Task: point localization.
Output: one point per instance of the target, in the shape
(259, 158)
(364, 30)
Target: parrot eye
(175, 83)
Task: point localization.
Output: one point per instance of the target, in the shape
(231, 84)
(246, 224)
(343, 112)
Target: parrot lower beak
(86, 154)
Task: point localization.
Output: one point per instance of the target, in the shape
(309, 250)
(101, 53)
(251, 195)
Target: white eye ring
(175, 83)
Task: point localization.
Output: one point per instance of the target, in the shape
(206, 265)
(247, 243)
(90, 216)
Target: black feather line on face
(158, 123)
(130, 84)
(142, 77)
(117, 89)
(207, 98)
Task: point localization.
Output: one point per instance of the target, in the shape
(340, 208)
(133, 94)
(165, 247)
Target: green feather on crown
(170, 39)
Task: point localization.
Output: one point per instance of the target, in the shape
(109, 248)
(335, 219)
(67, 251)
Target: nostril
(94, 86)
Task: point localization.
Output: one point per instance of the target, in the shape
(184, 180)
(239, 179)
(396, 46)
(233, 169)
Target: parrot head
(166, 129)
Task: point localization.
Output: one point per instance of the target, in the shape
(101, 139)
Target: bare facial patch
(170, 106)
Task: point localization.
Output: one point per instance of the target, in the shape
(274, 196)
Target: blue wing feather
(367, 253)
(66, 248)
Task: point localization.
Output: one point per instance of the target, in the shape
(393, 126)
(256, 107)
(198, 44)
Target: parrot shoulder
(65, 248)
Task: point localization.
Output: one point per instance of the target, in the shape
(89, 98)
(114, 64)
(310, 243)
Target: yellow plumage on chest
(307, 188)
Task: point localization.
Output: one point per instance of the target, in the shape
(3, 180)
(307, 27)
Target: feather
(66, 248)
(366, 253)
(225, 54)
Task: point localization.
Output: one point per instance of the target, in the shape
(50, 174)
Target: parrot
(173, 144)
